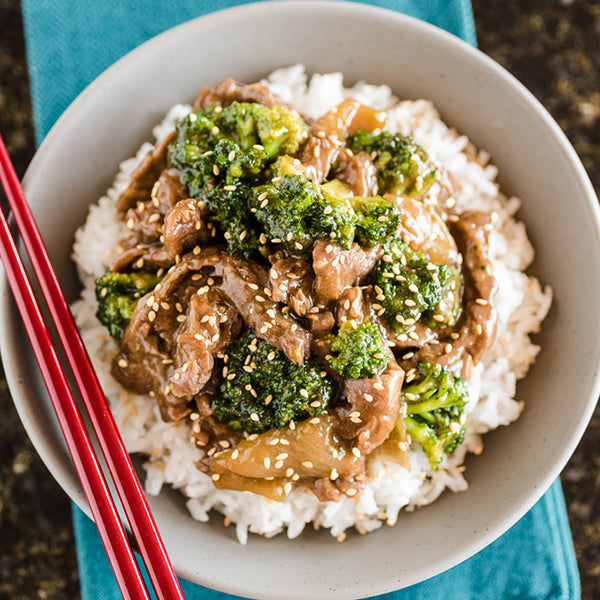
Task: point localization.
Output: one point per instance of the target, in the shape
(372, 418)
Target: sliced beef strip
(228, 91)
(145, 219)
(185, 226)
(352, 305)
(336, 269)
(416, 337)
(358, 172)
(144, 364)
(145, 224)
(291, 281)
(371, 409)
(244, 283)
(168, 191)
(477, 327)
(321, 323)
(148, 257)
(319, 154)
(208, 432)
(144, 176)
(210, 327)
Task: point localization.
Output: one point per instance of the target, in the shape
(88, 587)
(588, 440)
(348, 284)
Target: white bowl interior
(108, 122)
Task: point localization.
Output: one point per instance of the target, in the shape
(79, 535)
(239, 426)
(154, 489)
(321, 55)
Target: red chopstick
(111, 530)
(128, 486)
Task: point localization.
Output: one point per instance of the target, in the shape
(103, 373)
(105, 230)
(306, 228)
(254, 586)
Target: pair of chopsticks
(103, 509)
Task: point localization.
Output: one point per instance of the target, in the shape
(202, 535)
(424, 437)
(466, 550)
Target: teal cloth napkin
(69, 43)
(534, 560)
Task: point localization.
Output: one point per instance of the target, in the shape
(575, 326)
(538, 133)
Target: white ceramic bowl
(111, 118)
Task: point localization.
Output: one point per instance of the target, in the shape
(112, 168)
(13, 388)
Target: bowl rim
(63, 473)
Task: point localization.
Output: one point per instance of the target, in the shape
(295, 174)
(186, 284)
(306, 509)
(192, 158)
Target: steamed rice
(521, 304)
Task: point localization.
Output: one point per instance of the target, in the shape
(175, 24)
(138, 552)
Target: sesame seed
(216, 169)
(356, 452)
(215, 477)
(448, 348)
(307, 464)
(368, 397)
(123, 363)
(289, 472)
(229, 188)
(481, 301)
(151, 316)
(327, 211)
(315, 421)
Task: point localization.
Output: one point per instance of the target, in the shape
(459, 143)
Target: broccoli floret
(282, 209)
(377, 220)
(403, 167)
(118, 295)
(414, 288)
(334, 216)
(435, 414)
(223, 145)
(263, 389)
(229, 211)
(358, 352)
(280, 131)
(295, 212)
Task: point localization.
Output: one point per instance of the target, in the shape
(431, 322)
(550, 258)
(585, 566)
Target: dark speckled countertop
(552, 46)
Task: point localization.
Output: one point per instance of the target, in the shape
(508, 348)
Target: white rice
(521, 303)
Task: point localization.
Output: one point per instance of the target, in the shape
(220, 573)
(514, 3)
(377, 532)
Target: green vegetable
(295, 212)
(229, 211)
(358, 352)
(118, 295)
(403, 167)
(225, 145)
(378, 220)
(435, 414)
(263, 389)
(415, 288)
(283, 211)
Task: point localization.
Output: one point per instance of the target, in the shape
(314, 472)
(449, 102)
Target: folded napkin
(534, 560)
(68, 45)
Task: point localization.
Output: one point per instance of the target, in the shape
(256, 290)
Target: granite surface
(552, 46)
